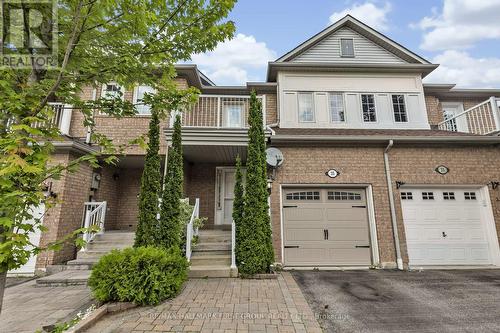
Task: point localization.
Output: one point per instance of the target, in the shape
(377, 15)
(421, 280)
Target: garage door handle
(362, 246)
(358, 206)
(290, 206)
(291, 246)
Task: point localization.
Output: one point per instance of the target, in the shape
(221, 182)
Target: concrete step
(210, 252)
(211, 260)
(91, 254)
(126, 237)
(81, 264)
(65, 278)
(106, 246)
(214, 239)
(212, 271)
(209, 246)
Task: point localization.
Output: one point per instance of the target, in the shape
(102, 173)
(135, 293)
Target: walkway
(222, 305)
(27, 307)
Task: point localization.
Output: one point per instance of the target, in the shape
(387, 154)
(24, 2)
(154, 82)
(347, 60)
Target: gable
(327, 50)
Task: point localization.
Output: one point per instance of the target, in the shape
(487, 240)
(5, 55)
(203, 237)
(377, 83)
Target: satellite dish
(274, 157)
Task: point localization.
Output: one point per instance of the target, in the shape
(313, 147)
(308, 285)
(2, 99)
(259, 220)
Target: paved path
(28, 307)
(222, 305)
(393, 301)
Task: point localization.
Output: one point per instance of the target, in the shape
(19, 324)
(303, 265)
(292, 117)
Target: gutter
(75, 146)
(384, 138)
(394, 221)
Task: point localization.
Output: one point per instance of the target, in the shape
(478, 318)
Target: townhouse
(374, 168)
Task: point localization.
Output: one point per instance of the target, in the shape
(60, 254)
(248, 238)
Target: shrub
(143, 275)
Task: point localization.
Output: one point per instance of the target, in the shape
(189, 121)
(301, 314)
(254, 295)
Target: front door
(224, 192)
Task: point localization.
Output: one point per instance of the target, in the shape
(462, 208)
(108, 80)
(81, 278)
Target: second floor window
(336, 105)
(111, 90)
(306, 107)
(398, 105)
(139, 95)
(368, 106)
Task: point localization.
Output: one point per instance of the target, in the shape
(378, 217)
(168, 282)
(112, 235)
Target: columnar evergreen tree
(256, 251)
(150, 187)
(170, 225)
(238, 205)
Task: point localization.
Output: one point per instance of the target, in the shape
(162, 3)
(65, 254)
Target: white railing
(233, 245)
(483, 119)
(95, 216)
(191, 230)
(61, 118)
(219, 111)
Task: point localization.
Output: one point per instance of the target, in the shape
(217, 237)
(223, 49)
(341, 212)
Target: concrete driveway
(393, 301)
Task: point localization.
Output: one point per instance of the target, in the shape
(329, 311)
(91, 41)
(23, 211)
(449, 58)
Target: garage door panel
(304, 234)
(448, 230)
(325, 231)
(345, 214)
(304, 214)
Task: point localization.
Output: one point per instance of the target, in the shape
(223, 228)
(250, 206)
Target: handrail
(483, 119)
(190, 230)
(233, 245)
(95, 215)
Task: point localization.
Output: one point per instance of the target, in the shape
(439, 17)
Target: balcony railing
(482, 119)
(219, 111)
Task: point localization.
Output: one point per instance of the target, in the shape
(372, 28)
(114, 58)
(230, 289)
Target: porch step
(222, 238)
(116, 236)
(211, 260)
(92, 254)
(221, 271)
(212, 246)
(81, 264)
(210, 253)
(65, 278)
(107, 245)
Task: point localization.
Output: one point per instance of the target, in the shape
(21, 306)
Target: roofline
(75, 146)
(348, 18)
(274, 67)
(449, 91)
(478, 140)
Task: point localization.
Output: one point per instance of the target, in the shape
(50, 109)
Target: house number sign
(332, 173)
(442, 170)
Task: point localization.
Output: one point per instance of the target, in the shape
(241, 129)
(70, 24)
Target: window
(306, 107)
(347, 47)
(336, 104)
(305, 195)
(470, 195)
(233, 114)
(111, 90)
(398, 105)
(368, 104)
(406, 196)
(339, 195)
(138, 96)
(428, 195)
(449, 195)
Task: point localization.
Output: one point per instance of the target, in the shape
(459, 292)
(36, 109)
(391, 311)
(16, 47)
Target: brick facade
(365, 165)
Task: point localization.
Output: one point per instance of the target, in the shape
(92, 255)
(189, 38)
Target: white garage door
(445, 227)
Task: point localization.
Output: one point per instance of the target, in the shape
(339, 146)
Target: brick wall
(72, 190)
(271, 109)
(108, 191)
(365, 165)
(201, 184)
(129, 186)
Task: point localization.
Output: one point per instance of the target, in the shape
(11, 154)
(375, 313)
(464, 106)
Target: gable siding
(365, 51)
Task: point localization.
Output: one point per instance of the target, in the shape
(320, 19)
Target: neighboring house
(414, 167)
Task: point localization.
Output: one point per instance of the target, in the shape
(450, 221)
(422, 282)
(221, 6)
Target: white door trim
(219, 185)
(370, 207)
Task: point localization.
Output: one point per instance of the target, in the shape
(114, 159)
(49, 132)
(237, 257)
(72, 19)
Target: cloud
(235, 61)
(460, 24)
(466, 71)
(368, 13)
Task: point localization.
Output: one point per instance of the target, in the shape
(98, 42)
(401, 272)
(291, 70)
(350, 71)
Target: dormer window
(347, 48)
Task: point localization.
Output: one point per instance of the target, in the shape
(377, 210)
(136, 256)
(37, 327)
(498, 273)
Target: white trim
(375, 257)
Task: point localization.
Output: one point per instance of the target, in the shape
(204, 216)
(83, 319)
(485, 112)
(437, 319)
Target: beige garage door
(325, 227)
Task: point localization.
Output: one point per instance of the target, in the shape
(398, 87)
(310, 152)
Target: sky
(463, 36)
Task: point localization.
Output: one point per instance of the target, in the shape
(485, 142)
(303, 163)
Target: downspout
(399, 260)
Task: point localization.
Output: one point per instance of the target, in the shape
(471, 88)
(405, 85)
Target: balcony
(481, 119)
(219, 112)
